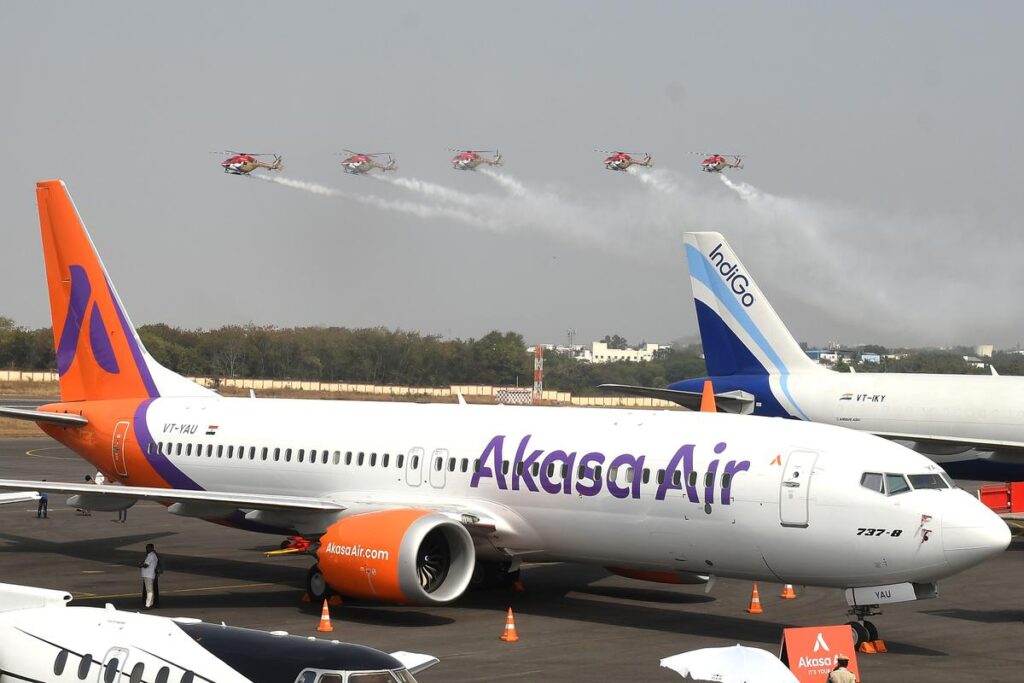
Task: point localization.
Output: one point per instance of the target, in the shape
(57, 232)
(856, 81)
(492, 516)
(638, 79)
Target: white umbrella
(736, 664)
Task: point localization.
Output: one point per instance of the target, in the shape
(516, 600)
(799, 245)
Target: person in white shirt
(148, 570)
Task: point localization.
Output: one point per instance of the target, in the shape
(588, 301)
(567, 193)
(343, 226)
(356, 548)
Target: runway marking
(93, 571)
(93, 596)
(32, 453)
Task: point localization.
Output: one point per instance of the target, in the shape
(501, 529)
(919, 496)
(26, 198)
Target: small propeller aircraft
(620, 161)
(716, 163)
(243, 163)
(362, 162)
(469, 159)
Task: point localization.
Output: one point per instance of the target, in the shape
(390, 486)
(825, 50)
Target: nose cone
(971, 533)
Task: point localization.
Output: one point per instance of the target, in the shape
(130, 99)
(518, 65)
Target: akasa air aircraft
(401, 501)
(973, 425)
(44, 639)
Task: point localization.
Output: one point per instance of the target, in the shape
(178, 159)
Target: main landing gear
(863, 630)
(490, 575)
(316, 585)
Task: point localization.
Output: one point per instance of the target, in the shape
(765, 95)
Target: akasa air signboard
(811, 652)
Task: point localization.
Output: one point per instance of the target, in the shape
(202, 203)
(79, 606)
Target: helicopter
(469, 159)
(716, 163)
(244, 163)
(620, 161)
(363, 162)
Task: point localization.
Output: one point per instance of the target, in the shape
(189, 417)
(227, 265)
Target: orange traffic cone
(334, 600)
(867, 647)
(325, 620)
(306, 597)
(509, 635)
(755, 602)
(788, 593)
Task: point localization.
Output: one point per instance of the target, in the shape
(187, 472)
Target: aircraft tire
(860, 633)
(491, 575)
(316, 584)
(872, 631)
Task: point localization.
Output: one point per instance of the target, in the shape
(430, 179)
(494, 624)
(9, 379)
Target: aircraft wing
(249, 501)
(18, 497)
(945, 445)
(739, 402)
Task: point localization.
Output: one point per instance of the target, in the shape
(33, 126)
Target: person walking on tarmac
(841, 674)
(148, 571)
(44, 503)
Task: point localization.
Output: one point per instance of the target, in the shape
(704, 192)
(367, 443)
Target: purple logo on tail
(99, 339)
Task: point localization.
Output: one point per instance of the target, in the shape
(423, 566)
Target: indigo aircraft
(404, 503)
(972, 425)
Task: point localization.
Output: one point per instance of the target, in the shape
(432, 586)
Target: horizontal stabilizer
(39, 416)
(738, 402)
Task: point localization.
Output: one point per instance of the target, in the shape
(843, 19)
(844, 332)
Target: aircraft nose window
(896, 483)
(873, 481)
(331, 678)
(928, 481)
(306, 677)
(374, 677)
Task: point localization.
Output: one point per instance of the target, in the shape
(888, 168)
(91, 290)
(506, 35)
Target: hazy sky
(883, 140)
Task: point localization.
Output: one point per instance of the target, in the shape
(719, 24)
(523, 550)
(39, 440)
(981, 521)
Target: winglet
(707, 399)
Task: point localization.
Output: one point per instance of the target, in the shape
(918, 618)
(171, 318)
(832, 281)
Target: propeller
(617, 151)
(251, 154)
(475, 151)
(433, 559)
(366, 154)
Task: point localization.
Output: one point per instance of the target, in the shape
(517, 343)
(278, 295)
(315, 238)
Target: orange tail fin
(99, 354)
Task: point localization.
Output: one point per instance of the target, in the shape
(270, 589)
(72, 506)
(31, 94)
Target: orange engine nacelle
(402, 556)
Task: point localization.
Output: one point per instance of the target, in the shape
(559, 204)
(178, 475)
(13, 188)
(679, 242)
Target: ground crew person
(44, 502)
(841, 674)
(148, 571)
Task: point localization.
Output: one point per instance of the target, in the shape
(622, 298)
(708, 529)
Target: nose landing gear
(863, 630)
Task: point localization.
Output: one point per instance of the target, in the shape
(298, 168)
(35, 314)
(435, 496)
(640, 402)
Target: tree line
(384, 356)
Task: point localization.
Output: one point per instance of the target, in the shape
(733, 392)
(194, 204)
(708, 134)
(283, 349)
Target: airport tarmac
(575, 623)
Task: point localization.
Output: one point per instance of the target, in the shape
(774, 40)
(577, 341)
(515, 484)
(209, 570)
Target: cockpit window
(945, 478)
(927, 481)
(371, 677)
(873, 481)
(306, 677)
(896, 483)
(404, 676)
(330, 678)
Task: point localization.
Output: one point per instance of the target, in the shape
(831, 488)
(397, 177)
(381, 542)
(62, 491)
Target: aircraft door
(437, 467)
(115, 661)
(796, 488)
(414, 467)
(117, 447)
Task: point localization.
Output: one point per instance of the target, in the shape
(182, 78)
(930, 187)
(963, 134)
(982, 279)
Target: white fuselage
(747, 514)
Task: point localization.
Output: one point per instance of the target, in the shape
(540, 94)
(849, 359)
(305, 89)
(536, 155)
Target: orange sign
(810, 653)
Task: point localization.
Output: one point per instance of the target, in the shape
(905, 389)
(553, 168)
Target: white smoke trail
(412, 208)
(433, 190)
(513, 186)
(745, 191)
(654, 179)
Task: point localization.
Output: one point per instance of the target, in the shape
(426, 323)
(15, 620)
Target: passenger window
(451, 464)
(149, 448)
(709, 479)
(726, 480)
(895, 483)
(872, 481)
(373, 459)
(691, 479)
(277, 454)
(438, 464)
(252, 452)
(160, 447)
(188, 677)
(177, 449)
(597, 473)
(263, 453)
(162, 675)
(231, 451)
(535, 469)
(465, 464)
(188, 449)
(551, 470)
(579, 472)
(137, 670)
(337, 457)
(348, 458)
(83, 667)
(505, 467)
(362, 457)
(399, 460)
(629, 475)
(220, 451)
(661, 476)
(60, 662)
(613, 472)
(384, 460)
(415, 462)
(287, 455)
(110, 670)
(302, 455)
(476, 465)
(647, 476)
